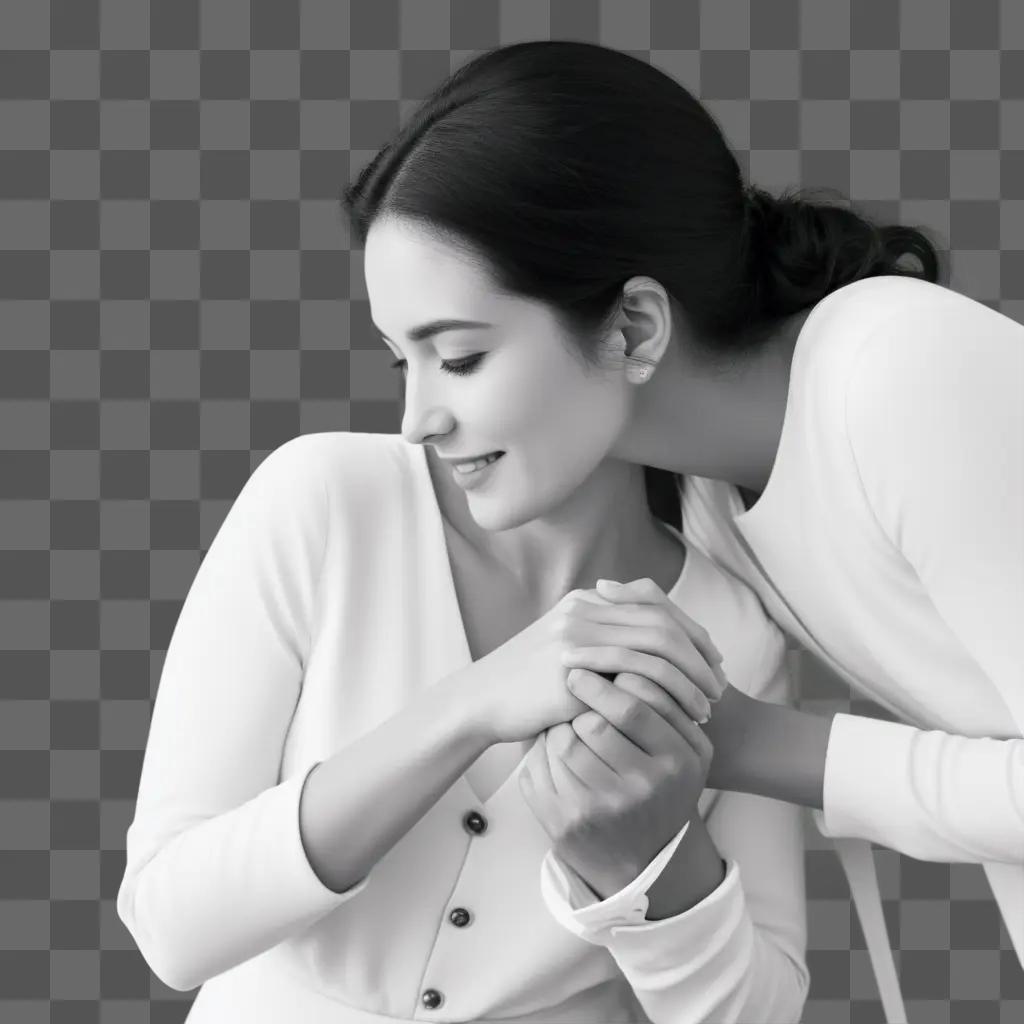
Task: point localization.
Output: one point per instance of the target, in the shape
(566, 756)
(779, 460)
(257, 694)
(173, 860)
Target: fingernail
(720, 676)
(705, 719)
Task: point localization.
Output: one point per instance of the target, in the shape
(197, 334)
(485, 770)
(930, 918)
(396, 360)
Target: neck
(603, 529)
(724, 425)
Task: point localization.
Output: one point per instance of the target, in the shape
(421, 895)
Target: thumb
(613, 590)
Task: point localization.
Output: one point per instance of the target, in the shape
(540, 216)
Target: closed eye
(458, 367)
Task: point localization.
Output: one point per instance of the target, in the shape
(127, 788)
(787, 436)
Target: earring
(643, 372)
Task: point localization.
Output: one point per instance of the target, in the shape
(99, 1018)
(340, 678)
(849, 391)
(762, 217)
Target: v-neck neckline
(499, 763)
(438, 529)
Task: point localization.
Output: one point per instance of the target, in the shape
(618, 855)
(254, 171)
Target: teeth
(469, 467)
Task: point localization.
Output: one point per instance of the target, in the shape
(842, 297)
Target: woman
(849, 434)
(329, 824)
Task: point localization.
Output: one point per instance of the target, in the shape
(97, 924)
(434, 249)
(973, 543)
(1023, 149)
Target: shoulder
(314, 480)
(927, 364)
(923, 321)
(876, 352)
(338, 462)
(932, 408)
(839, 327)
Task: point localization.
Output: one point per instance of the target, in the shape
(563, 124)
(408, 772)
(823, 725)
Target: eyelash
(460, 367)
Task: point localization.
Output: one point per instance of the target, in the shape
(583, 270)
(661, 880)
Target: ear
(645, 320)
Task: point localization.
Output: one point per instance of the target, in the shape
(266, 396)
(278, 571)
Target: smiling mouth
(475, 465)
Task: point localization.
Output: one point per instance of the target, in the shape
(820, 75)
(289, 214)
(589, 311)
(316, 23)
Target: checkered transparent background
(178, 296)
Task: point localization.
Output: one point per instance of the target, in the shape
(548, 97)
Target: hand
(614, 787)
(643, 601)
(735, 713)
(654, 642)
(520, 688)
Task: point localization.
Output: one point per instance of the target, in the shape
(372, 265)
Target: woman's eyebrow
(428, 330)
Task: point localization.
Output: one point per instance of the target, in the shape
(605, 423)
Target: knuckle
(662, 634)
(633, 710)
(576, 821)
(562, 741)
(590, 722)
(642, 787)
(562, 625)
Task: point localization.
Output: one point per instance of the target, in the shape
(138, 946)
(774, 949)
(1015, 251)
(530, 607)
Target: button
(459, 917)
(474, 822)
(432, 999)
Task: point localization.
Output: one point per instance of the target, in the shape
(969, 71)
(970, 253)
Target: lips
(454, 461)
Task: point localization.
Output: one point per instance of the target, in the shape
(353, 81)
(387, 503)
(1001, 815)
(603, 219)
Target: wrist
(471, 722)
(695, 870)
(737, 722)
(771, 750)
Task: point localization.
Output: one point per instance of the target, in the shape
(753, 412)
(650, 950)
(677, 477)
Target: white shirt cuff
(929, 794)
(573, 904)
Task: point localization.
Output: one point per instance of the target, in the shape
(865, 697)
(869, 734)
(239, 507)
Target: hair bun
(762, 206)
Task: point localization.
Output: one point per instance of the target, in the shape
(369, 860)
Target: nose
(423, 419)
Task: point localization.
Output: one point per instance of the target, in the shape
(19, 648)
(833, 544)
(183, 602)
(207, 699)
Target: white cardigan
(324, 604)
(889, 541)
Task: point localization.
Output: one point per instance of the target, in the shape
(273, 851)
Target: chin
(495, 519)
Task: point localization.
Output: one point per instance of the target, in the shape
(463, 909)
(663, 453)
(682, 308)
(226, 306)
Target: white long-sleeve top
(889, 541)
(324, 604)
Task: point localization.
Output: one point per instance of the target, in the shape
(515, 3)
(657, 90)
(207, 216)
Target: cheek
(552, 409)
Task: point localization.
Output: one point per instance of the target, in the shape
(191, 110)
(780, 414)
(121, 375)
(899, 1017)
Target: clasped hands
(612, 787)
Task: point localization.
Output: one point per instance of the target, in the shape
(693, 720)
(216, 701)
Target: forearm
(770, 750)
(358, 803)
(737, 953)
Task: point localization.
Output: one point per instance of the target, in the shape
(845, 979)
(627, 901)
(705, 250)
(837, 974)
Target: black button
(432, 999)
(474, 822)
(459, 917)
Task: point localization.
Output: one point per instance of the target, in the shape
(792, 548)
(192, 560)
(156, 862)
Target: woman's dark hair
(565, 168)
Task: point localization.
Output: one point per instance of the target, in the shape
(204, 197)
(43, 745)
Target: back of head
(566, 168)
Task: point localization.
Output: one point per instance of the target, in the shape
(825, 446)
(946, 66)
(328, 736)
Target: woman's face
(512, 386)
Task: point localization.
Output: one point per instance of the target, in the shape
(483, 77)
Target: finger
(647, 631)
(646, 591)
(535, 766)
(650, 692)
(559, 740)
(567, 786)
(623, 659)
(596, 752)
(569, 746)
(633, 609)
(599, 739)
(538, 795)
(635, 720)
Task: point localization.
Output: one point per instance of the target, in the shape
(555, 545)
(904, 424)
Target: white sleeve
(936, 427)
(216, 872)
(740, 954)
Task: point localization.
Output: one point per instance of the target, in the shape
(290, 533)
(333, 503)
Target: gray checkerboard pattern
(179, 296)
